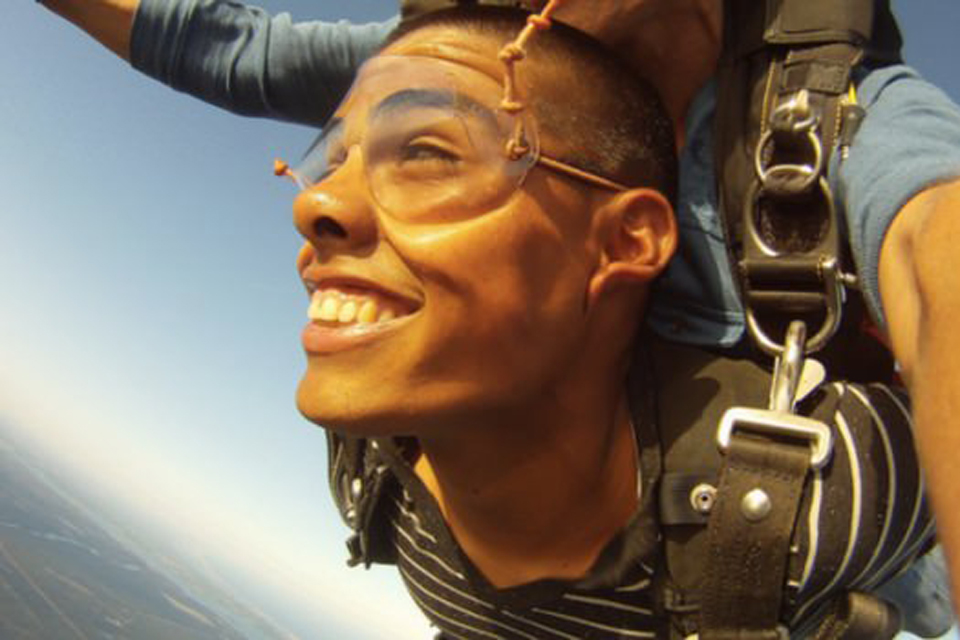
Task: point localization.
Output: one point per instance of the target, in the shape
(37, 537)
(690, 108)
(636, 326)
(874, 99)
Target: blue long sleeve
(909, 141)
(242, 59)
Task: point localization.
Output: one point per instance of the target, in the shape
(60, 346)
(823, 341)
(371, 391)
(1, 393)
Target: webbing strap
(358, 477)
(784, 73)
(749, 534)
(817, 21)
(775, 201)
(686, 498)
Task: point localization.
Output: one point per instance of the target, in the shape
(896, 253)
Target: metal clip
(794, 115)
(833, 280)
(786, 370)
(777, 423)
(780, 419)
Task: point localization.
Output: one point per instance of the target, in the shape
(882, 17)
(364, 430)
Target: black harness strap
(358, 478)
(782, 109)
(748, 586)
(749, 540)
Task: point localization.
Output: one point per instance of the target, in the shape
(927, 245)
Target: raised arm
(920, 285)
(232, 55)
(903, 174)
(108, 21)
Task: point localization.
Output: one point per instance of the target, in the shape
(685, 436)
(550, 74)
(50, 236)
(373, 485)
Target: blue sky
(149, 328)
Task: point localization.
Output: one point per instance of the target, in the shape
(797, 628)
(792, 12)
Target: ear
(638, 236)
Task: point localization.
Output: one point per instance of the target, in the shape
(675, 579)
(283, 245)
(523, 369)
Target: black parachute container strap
(786, 103)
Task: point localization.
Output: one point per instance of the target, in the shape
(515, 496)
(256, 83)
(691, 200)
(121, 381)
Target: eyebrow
(412, 98)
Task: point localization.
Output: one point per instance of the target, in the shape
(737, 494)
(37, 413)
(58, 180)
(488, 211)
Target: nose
(337, 214)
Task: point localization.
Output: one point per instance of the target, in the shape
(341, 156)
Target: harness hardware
(793, 122)
(779, 420)
(775, 423)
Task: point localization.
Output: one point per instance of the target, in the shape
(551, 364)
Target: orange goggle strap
(510, 55)
(512, 103)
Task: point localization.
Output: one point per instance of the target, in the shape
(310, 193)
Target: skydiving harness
(727, 511)
(786, 101)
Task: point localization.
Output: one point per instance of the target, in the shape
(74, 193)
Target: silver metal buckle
(778, 423)
(779, 419)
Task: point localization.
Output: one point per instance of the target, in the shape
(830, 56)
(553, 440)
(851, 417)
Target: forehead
(436, 59)
(455, 45)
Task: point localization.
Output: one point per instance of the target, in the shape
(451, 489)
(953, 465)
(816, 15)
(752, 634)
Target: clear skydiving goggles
(437, 140)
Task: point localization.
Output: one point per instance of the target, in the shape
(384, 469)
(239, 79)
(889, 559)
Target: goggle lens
(429, 153)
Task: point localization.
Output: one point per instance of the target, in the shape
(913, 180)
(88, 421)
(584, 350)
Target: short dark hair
(613, 121)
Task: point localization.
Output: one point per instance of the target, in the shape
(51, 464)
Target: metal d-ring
(808, 172)
(792, 117)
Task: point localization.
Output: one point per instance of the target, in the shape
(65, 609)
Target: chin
(355, 409)
(338, 410)
(364, 409)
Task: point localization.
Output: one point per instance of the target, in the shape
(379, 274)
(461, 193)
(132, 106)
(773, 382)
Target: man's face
(441, 291)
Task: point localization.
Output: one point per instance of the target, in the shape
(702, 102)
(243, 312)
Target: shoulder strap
(359, 481)
(695, 388)
(783, 107)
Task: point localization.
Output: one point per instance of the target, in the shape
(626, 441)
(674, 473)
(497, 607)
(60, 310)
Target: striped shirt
(463, 605)
(862, 519)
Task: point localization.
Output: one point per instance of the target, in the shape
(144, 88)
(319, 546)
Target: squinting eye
(426, 152)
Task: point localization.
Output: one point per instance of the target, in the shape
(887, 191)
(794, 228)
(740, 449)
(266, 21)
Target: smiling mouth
(344, 308)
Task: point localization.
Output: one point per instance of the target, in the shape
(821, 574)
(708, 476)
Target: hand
(108, 21)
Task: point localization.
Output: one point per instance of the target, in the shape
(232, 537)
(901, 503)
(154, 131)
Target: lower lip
(321, 339)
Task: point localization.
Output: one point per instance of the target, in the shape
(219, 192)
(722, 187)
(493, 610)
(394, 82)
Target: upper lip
(318, 277)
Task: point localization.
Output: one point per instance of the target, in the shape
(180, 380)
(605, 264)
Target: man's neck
(532, 499)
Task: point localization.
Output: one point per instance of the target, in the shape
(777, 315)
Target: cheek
(500, 291)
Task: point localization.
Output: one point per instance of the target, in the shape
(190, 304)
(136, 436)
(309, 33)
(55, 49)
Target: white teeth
(334, 306)
(368, 312)
(316, 301)
(348, 311)
(329, 308)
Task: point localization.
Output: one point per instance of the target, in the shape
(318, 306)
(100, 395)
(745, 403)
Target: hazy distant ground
(68, 572)
(72, 567)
